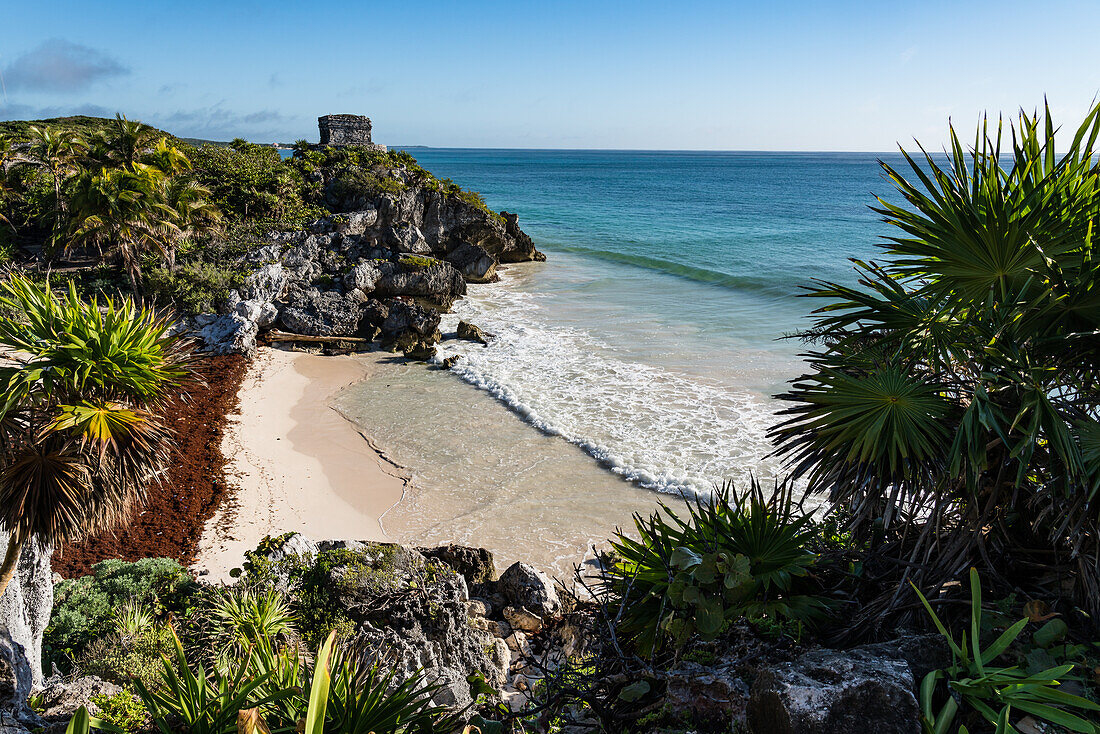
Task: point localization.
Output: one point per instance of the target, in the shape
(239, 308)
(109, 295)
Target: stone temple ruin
(346, 130)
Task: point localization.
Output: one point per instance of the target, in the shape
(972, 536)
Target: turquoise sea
(642, 358)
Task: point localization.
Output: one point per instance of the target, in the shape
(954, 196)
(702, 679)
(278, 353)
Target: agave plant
(975, 682)
(732, 556)
(80, 438)
(954, 387)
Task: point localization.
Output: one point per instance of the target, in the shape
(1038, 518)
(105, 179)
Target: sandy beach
(295, 463)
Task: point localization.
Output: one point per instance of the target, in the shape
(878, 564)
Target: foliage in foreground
(85, 608)
(732, 557)
(80, 432)
(265, 687)
(951, 403)
(977, 686)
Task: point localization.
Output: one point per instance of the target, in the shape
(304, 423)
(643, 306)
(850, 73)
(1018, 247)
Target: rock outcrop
(408, 240)
(836, 692)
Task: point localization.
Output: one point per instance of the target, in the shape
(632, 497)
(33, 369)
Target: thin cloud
(58, 65)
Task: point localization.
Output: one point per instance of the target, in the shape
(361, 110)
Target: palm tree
(123, 142)
(122, 211)
(80, 438)
(952, 403)
(59, 153)
(193, 214)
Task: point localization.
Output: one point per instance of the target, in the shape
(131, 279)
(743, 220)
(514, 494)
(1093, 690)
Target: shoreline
(296, 463)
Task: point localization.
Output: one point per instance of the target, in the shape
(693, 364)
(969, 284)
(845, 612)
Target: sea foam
(663, 429)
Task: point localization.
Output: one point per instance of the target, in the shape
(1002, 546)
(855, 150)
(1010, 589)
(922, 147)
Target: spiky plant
(953, 392)
(80, 435)
(732, 556)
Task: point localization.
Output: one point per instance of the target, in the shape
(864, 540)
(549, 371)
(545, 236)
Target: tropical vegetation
(80, 427)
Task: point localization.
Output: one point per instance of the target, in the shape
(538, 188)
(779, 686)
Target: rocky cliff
(399, 248)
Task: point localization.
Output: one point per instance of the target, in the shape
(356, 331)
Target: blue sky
(686, 75)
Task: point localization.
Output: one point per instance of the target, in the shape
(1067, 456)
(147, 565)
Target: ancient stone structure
(344, 130)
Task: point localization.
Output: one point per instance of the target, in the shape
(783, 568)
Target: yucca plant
(80, 435)
(974, 681)
(952, 395)
(252, 615)
(199, 703)
(132, 619)
(733, 556)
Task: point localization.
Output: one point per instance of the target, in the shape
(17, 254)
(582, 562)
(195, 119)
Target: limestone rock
(527, 587)
(835, 692)
(420, 350)
(24, 614)
(322, 314)
(475, 264)
(265, 284)
(405, 316)
(438, 281)
(523, 619)
(408, 239)
(363, 277)
(229, 334)
(473, 564)
(263, 313)
(450, 362)
(60, 699)
(471, 333)
(711, 693)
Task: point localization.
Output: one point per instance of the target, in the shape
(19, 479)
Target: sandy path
(296, 463)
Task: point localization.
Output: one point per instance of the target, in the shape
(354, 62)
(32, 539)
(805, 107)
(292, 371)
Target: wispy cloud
(216, 122)
(58, 65)
(20, 111)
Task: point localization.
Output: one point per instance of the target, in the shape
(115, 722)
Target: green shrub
(122, 659)
(733, 557)
(84, 608)
(196, 287)
(123, 709)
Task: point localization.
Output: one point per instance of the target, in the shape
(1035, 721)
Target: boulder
(322, 314)
(473, 564)
(709, 693)
(265, 284)
(436, 280)
(923, 652)
(475, 264)
(407, 239)
(363, 277)
(471, 333)
(229, 334)
(523, 619)
(522, 248)
(418, 349)
(264, 313)
(526, 587)
(835, 692)
(405, 316)
(61, 698)
(450, 362)
(25, 610)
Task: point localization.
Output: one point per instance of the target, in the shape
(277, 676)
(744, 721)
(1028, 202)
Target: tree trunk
(11, 560)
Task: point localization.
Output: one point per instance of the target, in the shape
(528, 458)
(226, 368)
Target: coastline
(296, 464)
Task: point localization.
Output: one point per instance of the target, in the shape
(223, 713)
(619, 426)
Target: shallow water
(642, 356)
